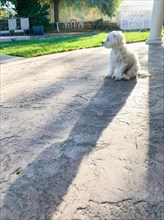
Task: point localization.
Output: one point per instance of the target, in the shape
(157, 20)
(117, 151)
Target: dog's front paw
(117, 77)
(107, 76)
(126, 77)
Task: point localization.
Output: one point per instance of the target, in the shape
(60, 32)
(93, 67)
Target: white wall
(135, 15)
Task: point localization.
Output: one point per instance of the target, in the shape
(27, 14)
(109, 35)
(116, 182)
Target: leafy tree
(56, 10)
(108, 7)
(7, 10)
(3, 2)
(1, 12)
(38, 13)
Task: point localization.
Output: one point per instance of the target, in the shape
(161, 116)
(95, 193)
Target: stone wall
(134, 18)
(66, 13)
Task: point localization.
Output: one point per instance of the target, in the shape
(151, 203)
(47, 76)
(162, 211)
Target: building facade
(135, 15)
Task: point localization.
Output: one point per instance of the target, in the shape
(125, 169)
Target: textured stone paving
(78, 146)
(7, 58)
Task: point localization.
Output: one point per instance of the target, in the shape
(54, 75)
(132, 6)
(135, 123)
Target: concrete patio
(78, 146)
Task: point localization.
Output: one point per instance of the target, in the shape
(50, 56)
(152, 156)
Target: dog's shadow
(39, 190)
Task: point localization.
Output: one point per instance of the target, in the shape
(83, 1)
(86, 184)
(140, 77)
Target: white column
(156, 23)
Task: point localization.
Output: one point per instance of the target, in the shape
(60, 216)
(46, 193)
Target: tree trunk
(56, 10)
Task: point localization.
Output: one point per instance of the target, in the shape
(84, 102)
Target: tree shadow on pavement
(40, 189)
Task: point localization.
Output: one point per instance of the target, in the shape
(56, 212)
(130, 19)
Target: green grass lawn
(32, 48)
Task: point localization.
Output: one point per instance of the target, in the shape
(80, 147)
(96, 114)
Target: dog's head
(114, 39)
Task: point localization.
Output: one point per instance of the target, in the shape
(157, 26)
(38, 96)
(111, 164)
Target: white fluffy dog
(123, 63)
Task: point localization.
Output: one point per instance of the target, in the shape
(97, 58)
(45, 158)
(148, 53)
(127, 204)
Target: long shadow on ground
(37, 193)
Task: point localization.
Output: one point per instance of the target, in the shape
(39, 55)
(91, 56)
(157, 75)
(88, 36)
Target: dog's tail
(143, 74)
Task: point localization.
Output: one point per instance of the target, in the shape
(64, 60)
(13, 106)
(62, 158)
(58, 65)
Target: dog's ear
(119, 38)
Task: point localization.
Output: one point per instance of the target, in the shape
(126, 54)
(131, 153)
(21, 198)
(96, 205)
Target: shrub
(101, 25)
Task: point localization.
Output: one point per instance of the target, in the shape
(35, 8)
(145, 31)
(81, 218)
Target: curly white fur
(123, 63)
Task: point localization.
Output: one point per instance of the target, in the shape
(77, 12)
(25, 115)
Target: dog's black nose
(102, 42)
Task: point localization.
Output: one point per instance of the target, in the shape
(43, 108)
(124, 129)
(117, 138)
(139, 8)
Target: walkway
(78, 146)
(7, 58)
